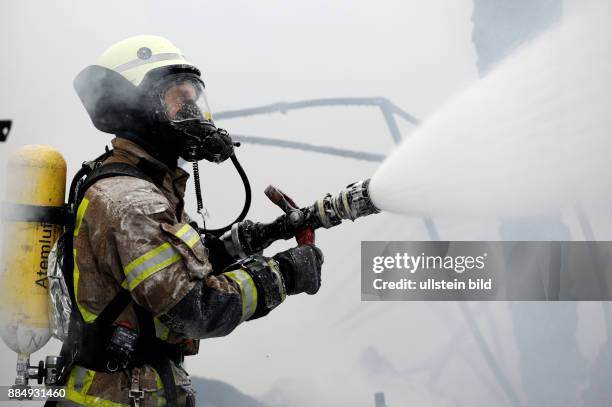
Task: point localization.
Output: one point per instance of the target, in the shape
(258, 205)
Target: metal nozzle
(351, 203)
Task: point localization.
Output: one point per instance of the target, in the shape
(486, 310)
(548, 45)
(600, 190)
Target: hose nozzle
(246, 238)
(351, 203)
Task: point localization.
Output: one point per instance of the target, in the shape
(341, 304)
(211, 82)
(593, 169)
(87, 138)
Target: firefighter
(133, 239)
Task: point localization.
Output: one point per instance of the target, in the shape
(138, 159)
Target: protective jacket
(134, 234)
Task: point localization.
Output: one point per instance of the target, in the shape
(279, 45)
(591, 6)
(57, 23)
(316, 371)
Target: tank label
(48, 234)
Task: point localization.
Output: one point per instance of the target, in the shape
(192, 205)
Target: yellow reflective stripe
(183, 230)
(273, 264)
(248, 292)
(161, 396)
(87, 315)
(161, 330)
(159, 258)
(82, 379)
(145, 257)
(150, 263)
(253, 289)
(80, 215)
(149, 272)
(79, 382)
(188, 235)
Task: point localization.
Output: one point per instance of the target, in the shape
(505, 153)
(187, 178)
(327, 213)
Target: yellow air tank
(36, 178)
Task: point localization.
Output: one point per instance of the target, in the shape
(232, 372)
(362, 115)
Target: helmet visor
(183, 98)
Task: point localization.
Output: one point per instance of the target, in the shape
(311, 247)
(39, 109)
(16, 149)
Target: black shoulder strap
(114, 308)
(112, 311)
(92, 171)
(161, 363)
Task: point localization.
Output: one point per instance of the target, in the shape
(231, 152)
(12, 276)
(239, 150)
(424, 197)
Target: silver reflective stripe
(150, 263)
(165, 56)
(248, 292)
(236, 241)
(79, 378)
(188, 235)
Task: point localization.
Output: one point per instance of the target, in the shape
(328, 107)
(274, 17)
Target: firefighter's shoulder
(125, 194)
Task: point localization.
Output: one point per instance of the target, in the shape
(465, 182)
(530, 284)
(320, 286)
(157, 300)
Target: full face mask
(185, 109)
(170, 106)
(167, 112)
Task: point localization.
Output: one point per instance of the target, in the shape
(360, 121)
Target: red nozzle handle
(280, 199)
(305, 236)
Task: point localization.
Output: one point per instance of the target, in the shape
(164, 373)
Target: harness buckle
(135, 393)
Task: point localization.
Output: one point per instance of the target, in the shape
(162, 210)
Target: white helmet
(144, 87)
(135, 57)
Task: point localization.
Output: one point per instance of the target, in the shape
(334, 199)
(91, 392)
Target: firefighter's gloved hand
(301, 269)
(218, 256)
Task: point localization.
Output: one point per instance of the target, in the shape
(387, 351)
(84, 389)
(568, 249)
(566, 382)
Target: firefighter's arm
(160, 261)
(263, 284)
(166, 269)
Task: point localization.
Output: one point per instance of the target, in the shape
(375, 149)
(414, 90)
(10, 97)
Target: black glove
(301, 269)
(218, 256)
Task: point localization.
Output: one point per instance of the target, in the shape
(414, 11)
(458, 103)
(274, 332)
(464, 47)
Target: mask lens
(185, 99)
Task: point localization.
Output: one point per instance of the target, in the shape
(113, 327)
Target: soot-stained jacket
(134, 234)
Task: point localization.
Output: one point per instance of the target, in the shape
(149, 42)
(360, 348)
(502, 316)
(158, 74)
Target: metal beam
(339, 152)
(284, 107)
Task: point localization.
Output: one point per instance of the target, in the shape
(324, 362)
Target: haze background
(329, 349)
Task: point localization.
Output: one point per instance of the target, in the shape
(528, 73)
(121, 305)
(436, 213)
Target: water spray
(246, 238)
(532, 138)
